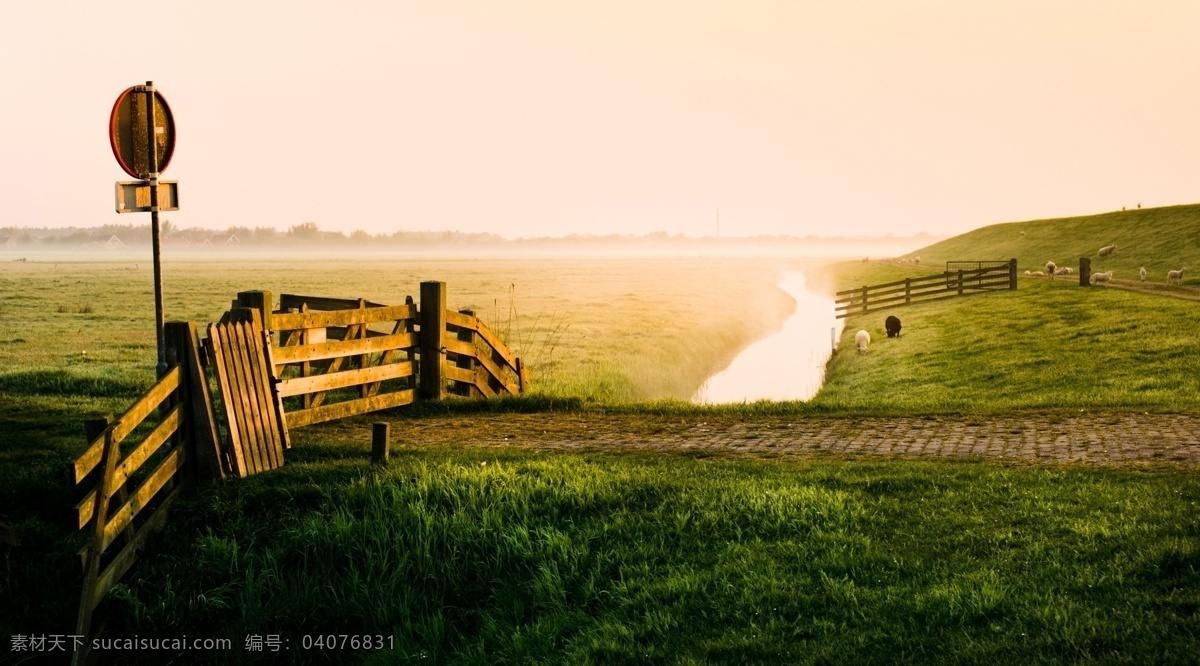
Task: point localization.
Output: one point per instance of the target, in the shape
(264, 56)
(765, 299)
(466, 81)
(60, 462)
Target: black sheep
(892, 324)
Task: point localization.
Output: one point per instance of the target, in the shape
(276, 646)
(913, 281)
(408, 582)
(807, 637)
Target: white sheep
(917, 260)
(1065, 270)
(862, 340)
(1038, 274)
(1108, 249)
(1051, 267)
(1177, 276)
(1102, 277)
(1028, 273)
(1022, 234)
(1142, 273)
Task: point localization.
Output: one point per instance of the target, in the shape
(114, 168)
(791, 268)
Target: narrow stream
(788, 365)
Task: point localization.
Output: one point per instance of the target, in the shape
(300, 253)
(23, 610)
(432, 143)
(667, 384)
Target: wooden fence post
(864, 295)
(93, 428)
(960, 282)
(380, 442)
(205, 441)
(1012, 274)
(1085, 272)
(908, 291)
(432, 349)
(261, 301)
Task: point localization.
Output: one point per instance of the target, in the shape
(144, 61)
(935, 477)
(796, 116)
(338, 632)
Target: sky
(550, 117)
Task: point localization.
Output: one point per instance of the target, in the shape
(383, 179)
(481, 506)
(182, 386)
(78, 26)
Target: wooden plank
(337, 380)
(387, 358)
(927, 300)
(325, 350)
(457, 374)
(145, 492)
(256, 397)
(281, 424)
(252, 437)
(260, 407)
(129, 420)
(322, 302)
(483, 383)
(133, 461)
(216, 354)
(128, 553)
(459, 347)
(325, 319)
(349, 408)
(203, 419)
(990, 280)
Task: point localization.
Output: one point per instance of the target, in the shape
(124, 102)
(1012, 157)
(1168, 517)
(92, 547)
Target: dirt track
(1108, 439)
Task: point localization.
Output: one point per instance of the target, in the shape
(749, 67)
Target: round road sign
(129, 133)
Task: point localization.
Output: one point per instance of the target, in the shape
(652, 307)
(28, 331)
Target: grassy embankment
(1161, 239)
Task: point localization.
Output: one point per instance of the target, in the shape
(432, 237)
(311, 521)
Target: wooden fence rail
(925, 289)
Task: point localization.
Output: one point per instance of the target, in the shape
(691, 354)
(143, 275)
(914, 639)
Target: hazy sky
(571, 116)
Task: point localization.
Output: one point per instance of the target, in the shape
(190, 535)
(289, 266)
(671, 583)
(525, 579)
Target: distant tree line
(309, 233)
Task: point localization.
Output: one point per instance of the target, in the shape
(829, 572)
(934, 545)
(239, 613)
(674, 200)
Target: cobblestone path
(1051, 438)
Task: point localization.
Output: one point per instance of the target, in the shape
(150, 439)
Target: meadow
(472, 554)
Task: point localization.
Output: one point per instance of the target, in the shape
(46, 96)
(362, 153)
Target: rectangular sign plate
(134, 196)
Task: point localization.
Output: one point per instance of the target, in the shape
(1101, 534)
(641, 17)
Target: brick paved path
(1056, 438)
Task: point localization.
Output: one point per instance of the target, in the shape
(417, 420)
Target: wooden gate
(240, 352)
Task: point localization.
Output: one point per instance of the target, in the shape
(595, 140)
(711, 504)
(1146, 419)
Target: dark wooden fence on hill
(990, 276)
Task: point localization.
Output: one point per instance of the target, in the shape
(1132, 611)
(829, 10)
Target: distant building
(113, 242)
(222, 239)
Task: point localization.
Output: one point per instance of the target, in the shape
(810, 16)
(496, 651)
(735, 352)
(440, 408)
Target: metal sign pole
(155, 241)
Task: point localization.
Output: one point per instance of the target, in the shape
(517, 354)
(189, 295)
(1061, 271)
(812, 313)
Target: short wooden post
(467, 362)
(864, 295)
(908, 291)
(960, 282)
(1012, 274)
(380, 442)
(261, 301)
(1085, 272)
(432, 348)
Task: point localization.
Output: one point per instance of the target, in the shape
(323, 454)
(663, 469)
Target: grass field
(478, 555)
(1048, 345)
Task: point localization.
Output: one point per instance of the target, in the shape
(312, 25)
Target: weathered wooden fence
(928, 288)
(329, 358)
(181, 439)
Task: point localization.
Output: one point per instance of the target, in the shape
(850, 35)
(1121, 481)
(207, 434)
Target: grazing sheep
(1065, 270)
(892, 324)
(1108, 249)
(1028, 273)
(1176, 276)
(917, 260)
(862, 340)
(1038, 274)
(1102, 277)
(1142, 273)
(1051, 267)
(1022, 234)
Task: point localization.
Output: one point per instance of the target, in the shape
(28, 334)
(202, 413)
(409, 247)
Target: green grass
(1048, 345)
(471, 555)
(1161, 239)
(494, 556)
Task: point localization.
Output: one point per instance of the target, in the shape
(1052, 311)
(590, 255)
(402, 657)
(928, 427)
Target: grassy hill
(1160, 239)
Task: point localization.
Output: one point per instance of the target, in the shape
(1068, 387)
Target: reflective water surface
(788, 365)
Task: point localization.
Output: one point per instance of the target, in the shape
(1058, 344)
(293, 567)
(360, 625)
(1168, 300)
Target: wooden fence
(340, 357)
(925, 289)
(329, 358)
(161, 462)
